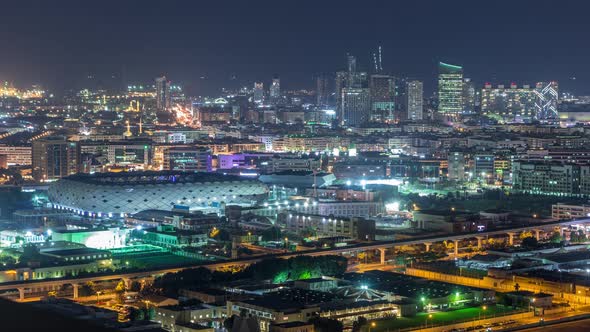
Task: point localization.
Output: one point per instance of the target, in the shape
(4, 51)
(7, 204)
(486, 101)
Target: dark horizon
(203, 45)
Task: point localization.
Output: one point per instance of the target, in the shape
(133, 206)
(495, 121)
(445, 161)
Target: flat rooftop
(405, 285)
(77, 251)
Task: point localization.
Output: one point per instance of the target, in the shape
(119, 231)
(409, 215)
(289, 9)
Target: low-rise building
(180, 317)
(355, 228)
(170, 237)
(452, 221)
(563, 211)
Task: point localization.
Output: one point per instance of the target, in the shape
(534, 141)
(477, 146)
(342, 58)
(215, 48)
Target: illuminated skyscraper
(547, 96)
(54, 158)
(415, 94)
(355, 107)
(469, 96)
(353, 99)
(162, 93)
(275, 90)
(382, 89)
(322, 90)
(450, 89)
(258, 92)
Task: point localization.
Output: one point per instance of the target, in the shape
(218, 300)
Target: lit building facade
(382, 88)
(162, 93)
(187, 159)
(258, 92)
(322, 91)
(450, 89)
(54, 158)
(275, 90)
(469, 96)
(510, 104)
(547, 94)
(546, 178)
(415, 100)
(456, 166)
(355, 107)
(17, 155)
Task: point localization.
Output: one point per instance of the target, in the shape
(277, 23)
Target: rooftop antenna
(375, 63)
(380, 62)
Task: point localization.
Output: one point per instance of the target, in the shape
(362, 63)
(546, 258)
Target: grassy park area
(440, 318)
(518, 203)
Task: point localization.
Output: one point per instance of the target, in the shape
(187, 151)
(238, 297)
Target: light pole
(373, 325)
(429, 317)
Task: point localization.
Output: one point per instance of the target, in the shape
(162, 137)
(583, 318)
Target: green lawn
(439, 318)
(158, 260)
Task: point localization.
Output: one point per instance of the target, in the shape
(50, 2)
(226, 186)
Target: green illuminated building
(450, 89)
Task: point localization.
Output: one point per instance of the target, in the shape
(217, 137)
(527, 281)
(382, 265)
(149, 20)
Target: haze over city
(282, 166)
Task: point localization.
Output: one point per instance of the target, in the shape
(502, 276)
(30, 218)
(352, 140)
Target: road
(315, 252)
(577, 326)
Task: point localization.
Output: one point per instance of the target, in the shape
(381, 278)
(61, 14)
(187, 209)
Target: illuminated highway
(382, 245)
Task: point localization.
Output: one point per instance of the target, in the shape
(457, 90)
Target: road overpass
(382, 246)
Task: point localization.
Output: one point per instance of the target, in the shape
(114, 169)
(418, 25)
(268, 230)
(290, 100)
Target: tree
(220, 234)
(137, 314)
(322, 324)
(578, 236)
(228, 323)
(88, 289)
(358, 324)
(135, 286)
(555, 237)
(120, 290)
(271, 234)
(525, 234)
(308, 232)
(529, 242)
(150, 313)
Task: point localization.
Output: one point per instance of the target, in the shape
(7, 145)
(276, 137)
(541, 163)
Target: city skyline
(209, 46)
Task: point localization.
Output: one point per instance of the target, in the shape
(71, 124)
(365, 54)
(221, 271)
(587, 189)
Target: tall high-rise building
(355, 107)
(340, 83)
(258, 92)
(275, 90)
(469, 95)
(322, 90)
(353, 99)
(382, 88)
(351, 61)
(450, 89)
(54, 158)
(508, 103)
(401, 98)
(415, 100)
(547, 97)
(162, 93)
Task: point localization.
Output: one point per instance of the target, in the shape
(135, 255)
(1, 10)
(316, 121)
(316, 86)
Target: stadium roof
(152, 177)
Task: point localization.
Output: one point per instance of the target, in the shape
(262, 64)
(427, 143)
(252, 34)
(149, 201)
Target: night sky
(202, 44)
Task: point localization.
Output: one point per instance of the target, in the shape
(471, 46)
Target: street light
(373, 325)
(429, 317)
(484, 312)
